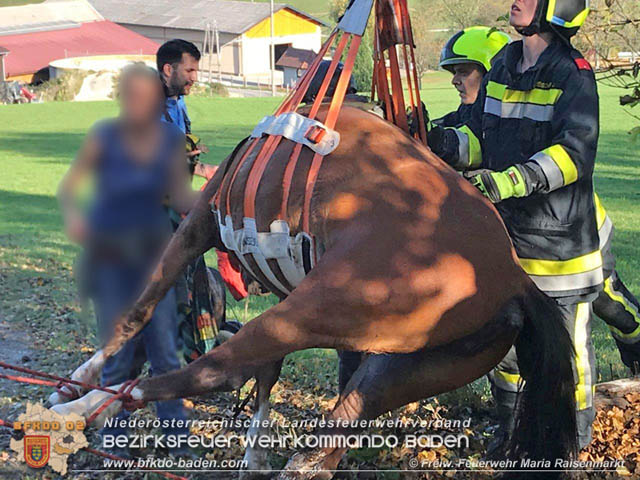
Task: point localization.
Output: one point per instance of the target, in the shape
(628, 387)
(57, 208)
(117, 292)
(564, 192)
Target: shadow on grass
(42, 147)
(26, 211)
(31, 230)
(60, 148)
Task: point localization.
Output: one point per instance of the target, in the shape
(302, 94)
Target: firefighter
(468, 55)
(616, 305)
(533, 130)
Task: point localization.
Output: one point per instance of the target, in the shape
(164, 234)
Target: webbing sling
(393, 30)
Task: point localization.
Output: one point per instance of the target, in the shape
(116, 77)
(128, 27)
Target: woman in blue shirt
(138, 165)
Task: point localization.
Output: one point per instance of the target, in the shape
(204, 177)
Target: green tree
(610, 39)
(434, 21)
(363, 67)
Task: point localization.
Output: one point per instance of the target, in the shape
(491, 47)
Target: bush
(213, 89)
(63, 88)
(363, 67)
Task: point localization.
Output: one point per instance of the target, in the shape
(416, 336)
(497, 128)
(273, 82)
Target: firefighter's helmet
(478, 45)
(564, 17)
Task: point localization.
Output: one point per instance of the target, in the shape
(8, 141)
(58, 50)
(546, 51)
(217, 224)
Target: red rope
(7, 424)
(123, 394)
(72, 392)
(35, 373)
(34, 381)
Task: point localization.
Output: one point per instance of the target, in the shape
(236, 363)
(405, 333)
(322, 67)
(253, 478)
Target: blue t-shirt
(176, 113)
(130, 195)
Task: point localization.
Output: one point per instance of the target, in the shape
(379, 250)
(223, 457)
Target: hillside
(317, 8)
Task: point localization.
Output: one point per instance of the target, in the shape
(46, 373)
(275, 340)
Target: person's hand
(499, 186)
(436, 140)
(205, 170)
(193, 153)
(414, 120)
(76, 228)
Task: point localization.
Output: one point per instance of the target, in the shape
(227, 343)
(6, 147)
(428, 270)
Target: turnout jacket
(457, 118)
(546, 122)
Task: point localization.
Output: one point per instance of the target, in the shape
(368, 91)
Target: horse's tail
(545, 427)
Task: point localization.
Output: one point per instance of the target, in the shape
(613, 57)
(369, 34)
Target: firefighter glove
(499, 186)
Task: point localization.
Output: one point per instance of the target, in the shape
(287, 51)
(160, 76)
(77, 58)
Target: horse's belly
(292, 256)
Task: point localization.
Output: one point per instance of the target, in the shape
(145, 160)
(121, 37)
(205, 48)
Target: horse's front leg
(256, 461)
(197, 234)
(86, 405)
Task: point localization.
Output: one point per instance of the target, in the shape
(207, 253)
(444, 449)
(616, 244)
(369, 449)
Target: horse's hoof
(306, 467)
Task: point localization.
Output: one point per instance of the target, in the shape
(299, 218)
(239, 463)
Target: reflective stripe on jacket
(603, 221)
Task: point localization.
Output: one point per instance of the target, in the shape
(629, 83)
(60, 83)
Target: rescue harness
(296, 253)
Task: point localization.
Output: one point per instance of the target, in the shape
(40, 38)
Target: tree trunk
(611, 394)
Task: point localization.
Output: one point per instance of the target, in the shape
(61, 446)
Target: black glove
(444, 143)
(414, 120)
(436, 139)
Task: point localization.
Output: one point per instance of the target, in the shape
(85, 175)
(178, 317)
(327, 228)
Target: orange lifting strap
(392, 31)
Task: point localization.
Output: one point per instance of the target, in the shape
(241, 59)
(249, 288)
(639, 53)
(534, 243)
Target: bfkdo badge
(36, 450)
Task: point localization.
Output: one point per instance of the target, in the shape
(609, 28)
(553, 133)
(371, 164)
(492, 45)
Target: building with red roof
(33, 49)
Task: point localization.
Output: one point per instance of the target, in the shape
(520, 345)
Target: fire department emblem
(36, 450)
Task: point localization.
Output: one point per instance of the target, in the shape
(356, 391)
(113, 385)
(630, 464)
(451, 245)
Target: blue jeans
(115, 287)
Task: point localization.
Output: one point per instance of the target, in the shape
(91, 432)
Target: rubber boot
(505, 406)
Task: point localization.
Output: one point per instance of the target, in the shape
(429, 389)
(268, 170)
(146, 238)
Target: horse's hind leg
(386, 382)
(256, 457)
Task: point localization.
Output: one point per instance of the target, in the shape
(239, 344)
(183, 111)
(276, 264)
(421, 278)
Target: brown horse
(413, 264)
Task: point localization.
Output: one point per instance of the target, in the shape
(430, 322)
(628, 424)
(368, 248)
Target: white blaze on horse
(375, 247)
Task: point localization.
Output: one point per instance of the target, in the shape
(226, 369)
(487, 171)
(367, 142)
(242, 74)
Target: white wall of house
(256, 51)
(241, 55)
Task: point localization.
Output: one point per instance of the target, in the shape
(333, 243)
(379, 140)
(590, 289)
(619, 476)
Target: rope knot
(67, 390)
(128, 402)
(124, 395)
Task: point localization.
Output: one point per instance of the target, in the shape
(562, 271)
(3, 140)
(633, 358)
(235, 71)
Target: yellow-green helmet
(564, 17)
(477, 45)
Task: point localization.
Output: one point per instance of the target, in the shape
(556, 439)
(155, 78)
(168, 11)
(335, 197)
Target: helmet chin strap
(539, 23)
(534, 28)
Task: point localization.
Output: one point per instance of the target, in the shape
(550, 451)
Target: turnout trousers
(617, 306)
(506, 382)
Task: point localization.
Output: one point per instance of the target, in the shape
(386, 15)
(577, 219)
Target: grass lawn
(38, 141)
